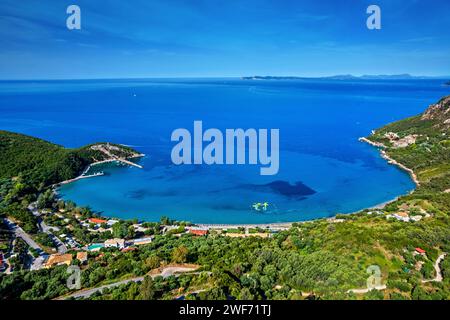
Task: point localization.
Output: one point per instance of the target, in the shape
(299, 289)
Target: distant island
(405, 76)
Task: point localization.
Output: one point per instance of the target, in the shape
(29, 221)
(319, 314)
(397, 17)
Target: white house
(115, 243)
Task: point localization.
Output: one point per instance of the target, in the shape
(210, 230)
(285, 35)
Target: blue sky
(209, 38)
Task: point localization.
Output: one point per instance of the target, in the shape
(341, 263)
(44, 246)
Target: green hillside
(41, 163)
(321, 259)
(427, 152)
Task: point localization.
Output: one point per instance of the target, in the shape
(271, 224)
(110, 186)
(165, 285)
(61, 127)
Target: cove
(324, 169)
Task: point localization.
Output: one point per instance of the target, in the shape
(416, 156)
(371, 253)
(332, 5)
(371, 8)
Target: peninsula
(41, 164)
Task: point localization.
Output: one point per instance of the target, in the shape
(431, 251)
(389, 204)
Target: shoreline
(83, 174)
(275, 225)
(392, 161)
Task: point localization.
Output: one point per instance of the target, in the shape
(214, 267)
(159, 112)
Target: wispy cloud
(420, 39)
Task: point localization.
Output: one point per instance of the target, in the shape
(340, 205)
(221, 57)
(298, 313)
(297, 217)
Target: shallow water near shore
(324, 169)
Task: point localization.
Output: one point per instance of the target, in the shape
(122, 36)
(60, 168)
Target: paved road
(20, 233)
(36, 263)
(61, 247)
(438, 277)
(358, 291)
(167, 272)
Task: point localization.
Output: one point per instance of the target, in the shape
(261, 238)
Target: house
(401, 216)
(198, 232)
(58, 259)
(391, 135)
(139, 228)
(82, 256)
(129, 249)
(110, 222)
(97, 220)
(142, 241)
(420, 251)
(115, 243)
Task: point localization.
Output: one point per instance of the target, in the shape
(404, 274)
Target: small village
(67, 227)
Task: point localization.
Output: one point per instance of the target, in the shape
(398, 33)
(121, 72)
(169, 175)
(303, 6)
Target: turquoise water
(95, 246)
(324, 169)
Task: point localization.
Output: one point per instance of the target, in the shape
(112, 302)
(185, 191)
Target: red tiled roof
(198, 232)
(420, 250)
(96, 220)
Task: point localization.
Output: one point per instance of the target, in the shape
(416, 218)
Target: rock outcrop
(439, 113)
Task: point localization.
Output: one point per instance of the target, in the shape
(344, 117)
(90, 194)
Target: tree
(245, 294)
(148, 290)
(130, 232)
(419, 293)
(46, 199)
(179, 255)
(152, 262)
(427, 270)
(374, 295)
(61, 204)
(120, 230)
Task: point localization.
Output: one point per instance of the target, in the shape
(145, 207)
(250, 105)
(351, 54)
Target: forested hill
(41, 163)
(422, 143)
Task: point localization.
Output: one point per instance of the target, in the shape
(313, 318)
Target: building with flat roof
(142, 241)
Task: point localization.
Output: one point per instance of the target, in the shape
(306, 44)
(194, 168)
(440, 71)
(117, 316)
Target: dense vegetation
(41, 163)
(320, 259)
(29, 166)
(429, 156)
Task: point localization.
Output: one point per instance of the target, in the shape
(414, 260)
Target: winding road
(61, 247)
(438, 277)
(36, 263)
(166, 272)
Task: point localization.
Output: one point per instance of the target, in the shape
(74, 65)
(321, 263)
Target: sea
(323, 169)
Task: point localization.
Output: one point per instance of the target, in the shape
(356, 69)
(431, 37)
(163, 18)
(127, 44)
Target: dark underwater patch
(298, 190)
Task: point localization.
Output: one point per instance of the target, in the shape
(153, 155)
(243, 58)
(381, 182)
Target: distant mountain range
(405, 76)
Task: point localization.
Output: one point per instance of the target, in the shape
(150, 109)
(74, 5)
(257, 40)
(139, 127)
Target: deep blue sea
(324, 169)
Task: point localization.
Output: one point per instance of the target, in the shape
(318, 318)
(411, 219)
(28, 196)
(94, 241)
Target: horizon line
(225, 77)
